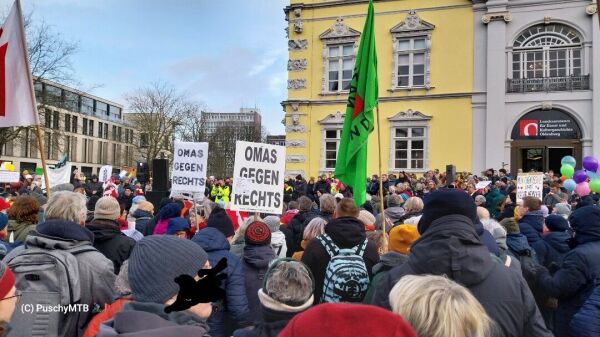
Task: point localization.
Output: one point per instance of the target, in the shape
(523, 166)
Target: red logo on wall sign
(528, 127)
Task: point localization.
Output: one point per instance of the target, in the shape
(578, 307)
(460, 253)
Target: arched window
(552, 50)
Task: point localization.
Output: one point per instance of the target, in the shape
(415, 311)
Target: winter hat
(176, 225)
(220, 220)
(556, 223)
(156, 261)
(367, 219)
(3, 221)
(499, 234)
(136, 200)
(63, 187)
(563, 209)
(122, 281)
(401, 237)
(347, 320)
(511, 226)
(258, 234)
(107, 208)
(272, 221)
(7, 279)
(444, 202)
(170, 210)
(4, 205)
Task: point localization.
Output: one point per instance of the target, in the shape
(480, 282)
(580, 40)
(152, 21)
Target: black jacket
(110, 241)
(346, 232)
(452, 247)
(270, 326)
(255, 263)
(297, 225)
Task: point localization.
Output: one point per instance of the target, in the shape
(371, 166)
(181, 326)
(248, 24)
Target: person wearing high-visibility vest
(220, 192)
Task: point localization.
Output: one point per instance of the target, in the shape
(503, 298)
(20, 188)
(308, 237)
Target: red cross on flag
(17, 99)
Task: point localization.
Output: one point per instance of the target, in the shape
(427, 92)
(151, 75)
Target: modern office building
(245, 117)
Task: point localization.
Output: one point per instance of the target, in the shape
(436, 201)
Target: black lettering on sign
(196, 153)
(260, 155)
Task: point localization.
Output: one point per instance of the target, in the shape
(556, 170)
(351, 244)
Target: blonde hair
(413, 205)
(437, 306)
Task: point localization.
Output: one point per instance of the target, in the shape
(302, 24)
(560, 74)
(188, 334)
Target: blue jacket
(574, 281)
(236, 304)
(518, 246)
(256, 262)
(552, 248)
(141, 219)
(587, 321)
(532, 226)
(486, 238)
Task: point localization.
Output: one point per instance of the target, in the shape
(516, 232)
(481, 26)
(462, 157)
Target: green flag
(351, 163)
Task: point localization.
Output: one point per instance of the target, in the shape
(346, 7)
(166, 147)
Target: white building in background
(246, 117)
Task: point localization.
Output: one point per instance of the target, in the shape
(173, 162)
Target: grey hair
(239, 235)
(289, 281)
(65, 205)
(207, 206)
(314, 228)
(327, 203)
(304, 203)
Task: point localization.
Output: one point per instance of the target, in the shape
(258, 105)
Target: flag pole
(384, 239)
(38, 130)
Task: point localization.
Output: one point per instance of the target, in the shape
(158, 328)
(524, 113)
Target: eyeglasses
(18, 293)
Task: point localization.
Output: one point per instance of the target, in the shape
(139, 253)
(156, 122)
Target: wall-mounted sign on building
(546, 124)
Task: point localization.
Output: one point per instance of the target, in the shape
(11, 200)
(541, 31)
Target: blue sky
(227, 53)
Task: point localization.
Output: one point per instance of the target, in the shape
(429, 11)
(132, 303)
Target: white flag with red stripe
(17, 99)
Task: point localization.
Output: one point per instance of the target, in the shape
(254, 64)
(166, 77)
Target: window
(48, 119)
(74, 124)
(102, 152)
(105, 130)
(67, 122)
(87, 105)
(119, 137)
(55, 120)
(88, 150)
(552, 50)
(114, 132)
(91, 128)
(71, 101)
(340, 63)
(85, 126)
(115, 112)
(409, 148)
(411, 57)
(100, 131)
(116, 154)
(101, 109)
(143, 140)
(54, 91)
(331, 142)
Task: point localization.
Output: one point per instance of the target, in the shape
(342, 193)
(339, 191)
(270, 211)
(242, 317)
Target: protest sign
(482, 184)
(189, 168)
(258, 175)
(57, 176)
(9, 176)
(105, 173)
(530, 184)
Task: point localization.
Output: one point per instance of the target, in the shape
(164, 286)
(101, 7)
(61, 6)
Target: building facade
(536, 65)
(88, 130)
(425, 69)
(246, 117)
(276, 140)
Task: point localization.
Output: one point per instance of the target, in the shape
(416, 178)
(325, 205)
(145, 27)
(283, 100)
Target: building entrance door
(542, 156)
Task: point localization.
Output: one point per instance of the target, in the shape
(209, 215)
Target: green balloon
(567, 171)
(595, 185)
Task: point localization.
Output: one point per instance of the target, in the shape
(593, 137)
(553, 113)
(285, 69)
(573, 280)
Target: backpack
(48, 278)
(346, 275)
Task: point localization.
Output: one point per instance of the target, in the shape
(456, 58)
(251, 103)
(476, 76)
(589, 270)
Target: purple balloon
(580, 176)
(590, 163)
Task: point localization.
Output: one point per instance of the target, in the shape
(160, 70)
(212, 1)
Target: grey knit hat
(156, 261)
(273, 222)
(107, 208)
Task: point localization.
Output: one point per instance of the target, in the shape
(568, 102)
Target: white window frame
(330, 122)
(338, 34)
(409, 139)
(340, 60)
(409, 119)
(324, 150)
(410, 52)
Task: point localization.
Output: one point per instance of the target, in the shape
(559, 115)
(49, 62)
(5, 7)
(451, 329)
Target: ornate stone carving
(295, 118)
(297, 65)
(591, 9)
(297, 45)
(506, 16)
(298, 25)
(337, 118)
(295, 143)
(295, 158)
(295, 106)
(409, 115)
(412, 23)
(339, 30)
(287, 32)
(297, 84)
(295, 128)
(547, 20)
(297, 12)
(547, 105)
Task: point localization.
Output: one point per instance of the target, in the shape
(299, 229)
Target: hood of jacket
(346, 231)
(586, 223)
(388, 261)
(104, 229)
(535, 219)
(149, 320)
(64, 230)
(558, 241)
(395, 213)
(139, 213)
(15, 226)
(258, 256)
(518, 244)
(452, 247)
(211, 239)
(277, 239)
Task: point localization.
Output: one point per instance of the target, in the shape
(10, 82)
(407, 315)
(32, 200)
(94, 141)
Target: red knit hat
(4, 205)
(7, 280)
(258, 234)
(347, 320)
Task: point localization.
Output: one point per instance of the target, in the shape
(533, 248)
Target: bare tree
(158, 111)
(221, 146)
(193, 129)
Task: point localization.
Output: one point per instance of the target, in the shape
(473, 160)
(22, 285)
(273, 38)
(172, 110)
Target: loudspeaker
(160, 175)
(155, 197)
(143, 172)
(450, 174)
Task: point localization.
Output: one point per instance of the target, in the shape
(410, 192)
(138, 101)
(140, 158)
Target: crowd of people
(458, 258)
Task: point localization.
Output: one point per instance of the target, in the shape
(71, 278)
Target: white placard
(258, 178)
(482, 184)
(530, 184)
(9, 176)
(189, 167)
(105, 173)
(61, 175)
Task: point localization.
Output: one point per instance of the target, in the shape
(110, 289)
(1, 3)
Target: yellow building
(425, 70)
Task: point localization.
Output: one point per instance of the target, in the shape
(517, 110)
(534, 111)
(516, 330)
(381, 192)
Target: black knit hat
(258, 234)
(446, 202)
(556, 223)
(220, 220)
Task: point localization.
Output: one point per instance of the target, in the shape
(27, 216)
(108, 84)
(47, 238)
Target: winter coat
(278, 244)
(346, 232)
(574, 281)
(161, 226)
(141, 319)
(387, 262)
(323, 187)
(235, 304)
(125, 201)
(96, 275)
(289, 240)
(297, 226)
(92, 187)
(271, 325)
(552, 248)
(395, 214)
(452, 242)
(508, 212)
(586, 322)
(256, 262)
(18, 230)
(237, 247)
(111, 242)
(532, 226)
(141, 220)
(518, 246)
(486, 238)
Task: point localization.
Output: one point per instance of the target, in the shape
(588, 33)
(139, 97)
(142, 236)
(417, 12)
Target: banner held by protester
(189, 168)
(530, 184)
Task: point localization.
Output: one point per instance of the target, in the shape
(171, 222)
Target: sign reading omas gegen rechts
(189, 167)
(258, 178)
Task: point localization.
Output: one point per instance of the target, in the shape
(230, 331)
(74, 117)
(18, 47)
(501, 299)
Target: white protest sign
(530, 184)
(61, 175)
(189, 167)
(482, 184)
(258, 175)
(105, 173)
(9, 176)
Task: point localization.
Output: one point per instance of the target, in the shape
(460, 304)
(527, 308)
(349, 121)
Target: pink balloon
(583, 189)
